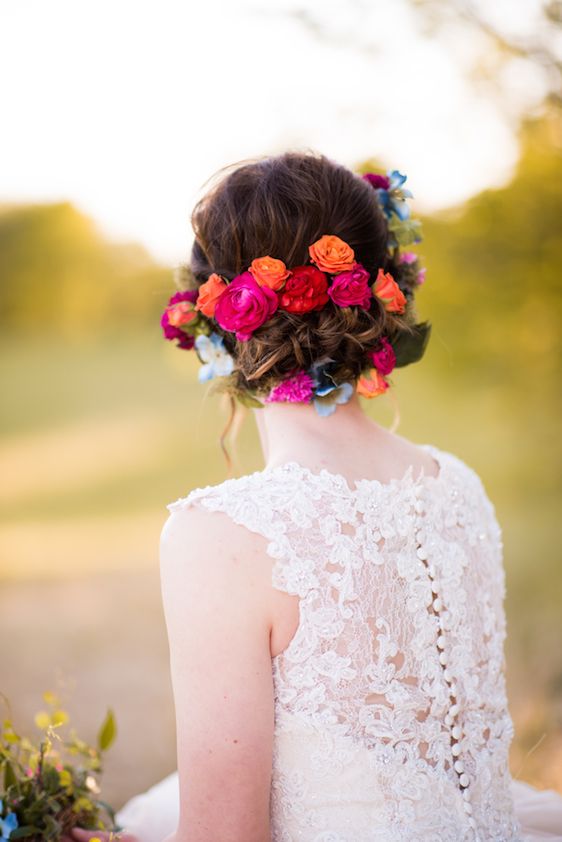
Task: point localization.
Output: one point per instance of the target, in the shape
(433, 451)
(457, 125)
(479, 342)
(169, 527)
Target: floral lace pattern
(391, 718)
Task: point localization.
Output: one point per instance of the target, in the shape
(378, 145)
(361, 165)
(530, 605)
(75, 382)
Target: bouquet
(50, 786)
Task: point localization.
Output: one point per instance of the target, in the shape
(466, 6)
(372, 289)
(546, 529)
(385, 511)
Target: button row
(453, 711)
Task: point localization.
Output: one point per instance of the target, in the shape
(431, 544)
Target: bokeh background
(114, 115)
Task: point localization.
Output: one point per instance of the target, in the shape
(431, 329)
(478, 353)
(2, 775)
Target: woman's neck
(296, 432)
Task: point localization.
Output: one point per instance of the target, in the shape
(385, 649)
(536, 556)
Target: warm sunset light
(127, 108)
(355, 367)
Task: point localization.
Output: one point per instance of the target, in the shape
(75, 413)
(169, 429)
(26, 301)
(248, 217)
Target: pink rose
(244, 306)
(184, 295)
(384, 359)
(351, 287)
(172, 317)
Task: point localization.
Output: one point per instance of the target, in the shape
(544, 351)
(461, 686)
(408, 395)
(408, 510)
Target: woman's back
(391, 720)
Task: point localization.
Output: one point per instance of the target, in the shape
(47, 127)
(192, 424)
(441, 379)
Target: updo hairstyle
(279, 206)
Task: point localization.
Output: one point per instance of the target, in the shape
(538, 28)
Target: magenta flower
(244, 306)
(185, 295)
(351, 287)
(408, 257)
(377, 181)
(186, 341)
(384, 359)
(171, 331)
(296, 389)
(421, 275)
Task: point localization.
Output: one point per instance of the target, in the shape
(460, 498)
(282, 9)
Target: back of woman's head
(279, 206)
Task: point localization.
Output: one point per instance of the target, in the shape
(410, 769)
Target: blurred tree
(520, 71)
(495, 265)
(59, 274)
(537, 47)
(494, 298)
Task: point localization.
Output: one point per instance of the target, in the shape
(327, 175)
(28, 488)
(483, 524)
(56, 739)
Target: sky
(127, 107)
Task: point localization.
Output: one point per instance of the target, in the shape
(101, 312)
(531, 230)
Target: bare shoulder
(206, 551)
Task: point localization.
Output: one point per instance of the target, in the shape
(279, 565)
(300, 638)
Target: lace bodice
(391, 721)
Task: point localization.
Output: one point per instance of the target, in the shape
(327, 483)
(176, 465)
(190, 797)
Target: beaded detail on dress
(391, 718)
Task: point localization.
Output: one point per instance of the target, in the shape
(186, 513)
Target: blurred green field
(103, 423)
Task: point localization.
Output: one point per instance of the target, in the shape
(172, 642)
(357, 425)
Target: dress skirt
(153, 815)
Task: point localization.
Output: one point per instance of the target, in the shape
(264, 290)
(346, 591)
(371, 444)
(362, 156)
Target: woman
(335, 620)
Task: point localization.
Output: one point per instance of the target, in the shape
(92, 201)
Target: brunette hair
(278, 206)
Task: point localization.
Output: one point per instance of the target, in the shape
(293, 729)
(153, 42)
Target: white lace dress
(391, 719)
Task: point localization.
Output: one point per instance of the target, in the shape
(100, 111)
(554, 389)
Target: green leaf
(406, 231)
(108, 731)
(24, 831)
(9, 775)
(107, 807)
(409, 348)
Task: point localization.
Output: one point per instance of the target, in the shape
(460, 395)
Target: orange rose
(372, 385)
(181, 313)
(386, 288)
(269, 272)
(209, 292)
(331, 254)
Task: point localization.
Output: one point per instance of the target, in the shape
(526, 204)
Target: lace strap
(247, 503)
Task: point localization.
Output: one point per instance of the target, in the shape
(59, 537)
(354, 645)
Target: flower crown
(331, 277)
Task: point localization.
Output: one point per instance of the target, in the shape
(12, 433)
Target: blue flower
(327, 393)
(326, 399)
(8, 824)
(393, 200)
(217, 361)
(320, 373)
(396, 179)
